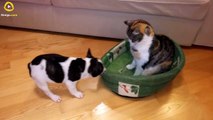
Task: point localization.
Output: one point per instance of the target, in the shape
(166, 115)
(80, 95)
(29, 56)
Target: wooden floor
(188, 97)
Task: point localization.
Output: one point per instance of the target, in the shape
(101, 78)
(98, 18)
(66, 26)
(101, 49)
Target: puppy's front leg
(73, 90)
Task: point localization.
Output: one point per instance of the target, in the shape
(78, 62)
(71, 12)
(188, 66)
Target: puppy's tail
(29, 68)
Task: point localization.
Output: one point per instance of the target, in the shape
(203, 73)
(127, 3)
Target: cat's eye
(136, 32)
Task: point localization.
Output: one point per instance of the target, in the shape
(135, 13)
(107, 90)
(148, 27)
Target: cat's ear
(89, 54)
(128, 22)
(147, 30)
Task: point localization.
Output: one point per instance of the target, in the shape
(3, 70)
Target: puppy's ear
(128, 22)
(89, 54)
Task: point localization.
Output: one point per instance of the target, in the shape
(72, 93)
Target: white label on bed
(126, 89)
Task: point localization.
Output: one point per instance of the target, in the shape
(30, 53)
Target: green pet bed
(121, 80)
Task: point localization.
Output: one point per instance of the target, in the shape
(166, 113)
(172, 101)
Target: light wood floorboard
(188, 97)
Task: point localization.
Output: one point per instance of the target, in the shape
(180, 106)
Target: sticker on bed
(126, 89)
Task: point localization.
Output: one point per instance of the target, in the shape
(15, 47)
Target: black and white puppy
(60, 69)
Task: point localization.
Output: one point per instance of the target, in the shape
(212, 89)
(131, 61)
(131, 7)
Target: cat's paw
(56, 98)
(146, 73)
(79, 95)
(136, 74)
(130, 66)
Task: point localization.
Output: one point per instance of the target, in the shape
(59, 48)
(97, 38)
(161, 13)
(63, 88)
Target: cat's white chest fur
(140, 50)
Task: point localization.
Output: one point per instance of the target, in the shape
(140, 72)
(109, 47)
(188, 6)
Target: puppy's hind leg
(44, 87)
(72, 89)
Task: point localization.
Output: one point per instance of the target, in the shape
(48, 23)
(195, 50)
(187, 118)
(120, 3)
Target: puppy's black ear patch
(89, 54)
(95, 68)
(76, 68)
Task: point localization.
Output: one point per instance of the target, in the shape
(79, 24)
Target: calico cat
(152, 53)
(60, 69)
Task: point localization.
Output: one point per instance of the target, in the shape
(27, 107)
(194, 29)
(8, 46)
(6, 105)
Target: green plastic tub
(121, 80)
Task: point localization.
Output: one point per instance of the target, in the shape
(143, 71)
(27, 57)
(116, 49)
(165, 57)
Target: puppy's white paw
(130, 66)
(79, 95)
(56, 98)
